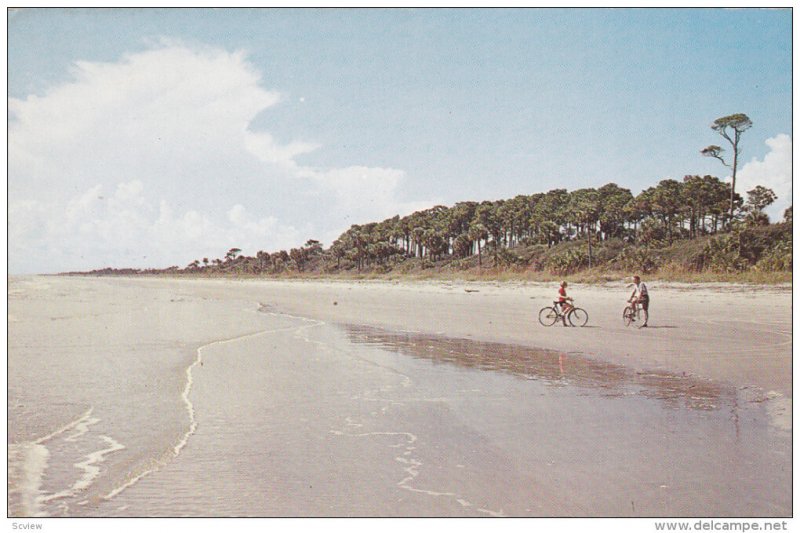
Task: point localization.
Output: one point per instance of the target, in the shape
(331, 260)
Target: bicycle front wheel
(578, 317)
(627, 315)
(548, 316)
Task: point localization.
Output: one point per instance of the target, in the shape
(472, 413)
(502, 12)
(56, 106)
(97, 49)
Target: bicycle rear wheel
(548, 316)
(578, 317)
(628, 315)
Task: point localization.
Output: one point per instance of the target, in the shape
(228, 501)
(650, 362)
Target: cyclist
(640, 296)
(564, 302)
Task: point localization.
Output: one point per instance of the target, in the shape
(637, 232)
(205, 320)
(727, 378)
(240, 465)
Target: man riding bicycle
(640, 296)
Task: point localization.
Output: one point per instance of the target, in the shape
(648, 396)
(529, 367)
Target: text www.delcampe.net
(721, 525)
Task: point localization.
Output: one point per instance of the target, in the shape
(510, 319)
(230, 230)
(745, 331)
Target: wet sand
(738, 334)
(381, 399)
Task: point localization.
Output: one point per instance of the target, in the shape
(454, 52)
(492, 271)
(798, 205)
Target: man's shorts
(644, 301)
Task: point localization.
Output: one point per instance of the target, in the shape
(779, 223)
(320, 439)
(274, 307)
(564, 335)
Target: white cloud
(264, 147)
(365, 193)
(151, 161)
(126, 229)
(773, 172)
(141, 115)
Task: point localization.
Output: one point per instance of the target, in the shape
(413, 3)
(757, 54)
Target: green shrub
(721, 254)
(607, 252)
(633, 259)
(777, 259)
(567, 262)
(507, 258)
(766, 249)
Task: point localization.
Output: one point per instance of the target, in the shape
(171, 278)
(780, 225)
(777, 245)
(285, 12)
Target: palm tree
(477, 231)
(418, 233)
(584, 205)
(550, 211)
(462, 246)
(613, 200)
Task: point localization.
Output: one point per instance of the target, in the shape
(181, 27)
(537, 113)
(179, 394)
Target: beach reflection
(552, 367)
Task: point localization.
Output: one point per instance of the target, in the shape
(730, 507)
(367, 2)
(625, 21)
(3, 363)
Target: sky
(152, 137)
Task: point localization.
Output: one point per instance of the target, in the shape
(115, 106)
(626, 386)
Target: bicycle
(632, 313)
(550, 315)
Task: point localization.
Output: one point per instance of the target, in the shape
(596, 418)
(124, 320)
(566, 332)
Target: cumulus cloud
(151, 161)
(360, 194)
(263, 146)
(773, 172)
(126, 229)
(152, 113)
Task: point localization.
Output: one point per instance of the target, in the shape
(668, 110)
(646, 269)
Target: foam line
(90, 470)
(187, 389)
(497, 514)
(412, 466)
(82, 427)
(33, 463)
(80, 420)
(88, 466)
(199, 361)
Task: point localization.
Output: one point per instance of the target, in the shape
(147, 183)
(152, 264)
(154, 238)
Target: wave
(90, 470)
(28, 462)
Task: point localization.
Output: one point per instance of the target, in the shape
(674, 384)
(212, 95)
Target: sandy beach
(738, 334)
(164, 397)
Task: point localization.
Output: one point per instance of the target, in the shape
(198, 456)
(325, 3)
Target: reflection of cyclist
(640, 296)
(564, 302)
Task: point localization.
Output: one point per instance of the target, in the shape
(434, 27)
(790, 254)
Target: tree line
(671, 210)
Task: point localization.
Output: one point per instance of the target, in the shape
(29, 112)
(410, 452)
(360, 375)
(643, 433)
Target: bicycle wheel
(628, 315)
(578, 317)
(548, 316)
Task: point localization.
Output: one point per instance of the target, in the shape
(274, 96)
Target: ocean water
(132, 398)
(98, 385)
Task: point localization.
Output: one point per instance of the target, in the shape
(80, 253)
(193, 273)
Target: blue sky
(147, 137)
